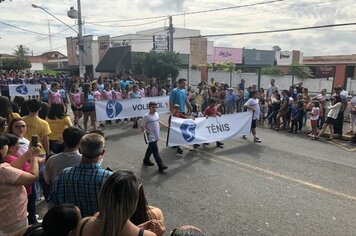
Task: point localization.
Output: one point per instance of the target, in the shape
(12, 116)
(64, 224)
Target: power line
(193, 12)
(115, 26)
(26, 30)
(269, 31)
(46, 37)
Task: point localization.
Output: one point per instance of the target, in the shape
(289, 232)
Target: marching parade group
(44, 151)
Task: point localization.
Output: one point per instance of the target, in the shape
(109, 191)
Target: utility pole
(49, 37)
(171, 31)
(80, 42)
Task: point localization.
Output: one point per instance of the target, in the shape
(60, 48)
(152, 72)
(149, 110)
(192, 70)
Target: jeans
(31, 206)
(153, 149)
(352, 122)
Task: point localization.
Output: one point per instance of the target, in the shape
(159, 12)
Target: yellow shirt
(37, 126)
(57, 126)
(15, 115)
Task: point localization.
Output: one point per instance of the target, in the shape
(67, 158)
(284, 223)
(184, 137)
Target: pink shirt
(76, 98)
(56, 97)
(25, 167)
(107, 95)
(97, 95)
(13, 198)
(117, 95)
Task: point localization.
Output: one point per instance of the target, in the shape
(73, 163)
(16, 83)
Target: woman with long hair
(13, 196)
(145, 214)
(3, 125)
(334, 109)
(117, 202)
(57, 121)
(88, 106)
(6, 109)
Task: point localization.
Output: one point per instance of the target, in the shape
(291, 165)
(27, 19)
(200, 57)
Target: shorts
(254, 124)
(329, 121)
(74, 108)
(314, 123)
(89, 107)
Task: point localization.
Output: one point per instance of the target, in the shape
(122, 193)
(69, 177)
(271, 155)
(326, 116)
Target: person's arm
(49, 98)
(47, 175)
(45, 142)
(30, 177)
(68, 122)
(19, 162)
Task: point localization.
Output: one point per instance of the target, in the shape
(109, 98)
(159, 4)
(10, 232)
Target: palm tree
(21, 51)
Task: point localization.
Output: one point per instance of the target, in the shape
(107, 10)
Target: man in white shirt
(271, 88)
(253, 105)
(151, 125)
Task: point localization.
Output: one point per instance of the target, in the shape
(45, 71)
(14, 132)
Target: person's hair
(97, 131)
(187, 231)
(86, 90)
(3, 141)
(12, 123)
(117, 201)
(252, 93)
(12, 139)
(316, 103)
(54, 84)
(15, 107)
(56, 111)
(92, 145)
(19, 100)
(72, 136)
(73, 87)
(60, 220)
(24, 109)
(2, 122)
(278, 96)
(34, 105)
(336, 99)
(142, 213)
(44, 110)
(5, 106)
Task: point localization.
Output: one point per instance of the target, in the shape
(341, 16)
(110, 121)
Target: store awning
(115, 60)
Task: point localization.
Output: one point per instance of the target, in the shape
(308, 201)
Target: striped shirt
(80, 185)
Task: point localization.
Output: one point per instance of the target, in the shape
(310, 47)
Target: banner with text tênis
(135, 107)
(207, 130)
(24, 90)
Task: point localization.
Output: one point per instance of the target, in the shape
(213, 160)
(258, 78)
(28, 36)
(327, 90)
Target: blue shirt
(124, 83)
(179, 96)
(230, 99)
(80, 185)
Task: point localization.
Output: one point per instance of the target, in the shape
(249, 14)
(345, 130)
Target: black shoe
(257, 140)
(135, 126)
(179, 150)
(148, 163)
(196, 145)
(220, 144)
(162, 168)
(102, 125)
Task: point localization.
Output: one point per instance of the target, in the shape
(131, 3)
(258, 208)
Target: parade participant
(179, 96)
(153, 88)
(107, 93)
(44, 91)
(97, 93)
(135, 94)
(117, 95)
(212, 110)
(253, 105)
(88, 106)
(54, 95)
(141, 86)
(76, 104)
(151, 125)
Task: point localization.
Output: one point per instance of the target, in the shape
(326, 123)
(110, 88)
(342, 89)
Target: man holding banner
(212, 110)
(151, 125)
(253, 105)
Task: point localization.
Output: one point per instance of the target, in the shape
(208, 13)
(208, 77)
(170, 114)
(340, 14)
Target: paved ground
(287, 185)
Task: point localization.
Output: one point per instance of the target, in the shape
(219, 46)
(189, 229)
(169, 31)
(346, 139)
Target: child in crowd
(230, 101)
(76, 104)
(54, 95)
(44, 92)
(314, 117)
(212, 110)
(294, 118)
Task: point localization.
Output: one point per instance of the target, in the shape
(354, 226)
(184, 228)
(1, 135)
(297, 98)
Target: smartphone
(34, 140)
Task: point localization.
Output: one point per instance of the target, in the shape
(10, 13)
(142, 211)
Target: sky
(283, 14)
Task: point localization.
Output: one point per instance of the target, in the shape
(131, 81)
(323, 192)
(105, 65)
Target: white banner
(135, 107)
(24, 90)
(203, 130)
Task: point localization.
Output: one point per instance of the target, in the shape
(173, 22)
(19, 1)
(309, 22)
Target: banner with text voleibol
(136, 107)
(203, 130)
(24, 90)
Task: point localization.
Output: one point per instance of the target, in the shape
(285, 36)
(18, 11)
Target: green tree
(301, 71)
(271, 70)
(276, 48)
(15, 64)
(21, 51)
(161, 65)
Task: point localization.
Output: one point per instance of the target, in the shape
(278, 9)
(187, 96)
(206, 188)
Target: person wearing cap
(151, 125)
(179, 96)
(212, 110)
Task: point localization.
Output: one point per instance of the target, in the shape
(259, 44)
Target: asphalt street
(286, 185)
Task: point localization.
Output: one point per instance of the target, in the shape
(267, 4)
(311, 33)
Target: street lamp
(79, 32)
(74, 14)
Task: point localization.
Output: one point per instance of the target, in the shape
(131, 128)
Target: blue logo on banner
(22, 89)
(113, 109)
(188, 130)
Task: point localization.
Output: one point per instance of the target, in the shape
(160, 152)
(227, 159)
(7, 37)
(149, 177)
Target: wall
(314, 85)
